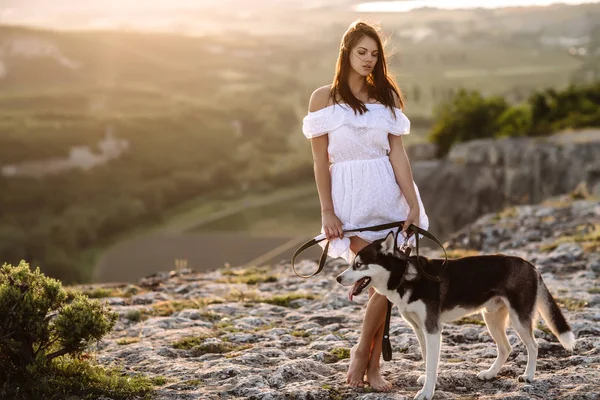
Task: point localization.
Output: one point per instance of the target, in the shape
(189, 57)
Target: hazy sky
(196, 14)
(408, 5)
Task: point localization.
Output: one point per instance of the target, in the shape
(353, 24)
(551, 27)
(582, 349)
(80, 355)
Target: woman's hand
(332, 226)
(411, 218)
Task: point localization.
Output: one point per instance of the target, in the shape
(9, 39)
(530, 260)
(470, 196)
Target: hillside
(264, 333)
(216, 116)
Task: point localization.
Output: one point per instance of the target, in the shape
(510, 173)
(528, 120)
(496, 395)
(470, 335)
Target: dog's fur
(502, 287)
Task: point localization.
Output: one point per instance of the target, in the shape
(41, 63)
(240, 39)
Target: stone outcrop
(482, 176)
(267, 334)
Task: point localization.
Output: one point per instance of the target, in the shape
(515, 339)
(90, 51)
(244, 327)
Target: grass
(286, 299)
(469, 321)
(159, 380)
(300, 333)
(128, 340)
(69, 378)
(507, 213)
(594, 290)
(560, 202)
(250, 276)
(334, 394)
(588, 238)
(223, 327)
(337, 354)
(210, 316)
(191, 342)
(103, 292)
(135, 315)
(169, 307)
(216, 348)
(572, 304)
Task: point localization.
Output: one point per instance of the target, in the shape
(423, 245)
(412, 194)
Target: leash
(398, 224)
(386, 345)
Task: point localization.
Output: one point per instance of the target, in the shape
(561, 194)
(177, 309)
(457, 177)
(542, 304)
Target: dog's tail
(554, 317)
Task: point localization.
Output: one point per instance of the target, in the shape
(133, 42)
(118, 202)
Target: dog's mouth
(358, 287)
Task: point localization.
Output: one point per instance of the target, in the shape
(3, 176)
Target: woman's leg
(378, 311)
(366, 354)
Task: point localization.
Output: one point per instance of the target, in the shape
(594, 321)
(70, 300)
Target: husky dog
(502, 287)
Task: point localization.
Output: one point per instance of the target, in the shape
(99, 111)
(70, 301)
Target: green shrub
(467, 116)
(43, 334)
(514, 121)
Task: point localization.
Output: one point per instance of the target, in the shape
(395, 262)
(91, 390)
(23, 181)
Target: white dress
(363, 185)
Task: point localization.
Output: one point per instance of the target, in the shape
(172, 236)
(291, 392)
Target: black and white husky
(502, 287)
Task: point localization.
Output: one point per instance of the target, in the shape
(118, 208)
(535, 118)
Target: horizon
(411, 5)
(212, 16)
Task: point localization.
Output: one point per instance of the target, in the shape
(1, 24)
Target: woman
(356, 125)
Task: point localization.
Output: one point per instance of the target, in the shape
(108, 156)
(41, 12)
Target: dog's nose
(339, 279)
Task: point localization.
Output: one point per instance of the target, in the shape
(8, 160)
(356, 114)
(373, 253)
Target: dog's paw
(486, 375)
(424, 395)
(525, 378)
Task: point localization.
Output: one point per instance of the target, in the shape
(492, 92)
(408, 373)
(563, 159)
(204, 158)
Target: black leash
(386, 345)
(398, 224)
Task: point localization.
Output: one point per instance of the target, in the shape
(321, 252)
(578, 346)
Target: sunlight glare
(405, 6)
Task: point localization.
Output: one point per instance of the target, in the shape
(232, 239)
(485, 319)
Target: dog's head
(379, 264)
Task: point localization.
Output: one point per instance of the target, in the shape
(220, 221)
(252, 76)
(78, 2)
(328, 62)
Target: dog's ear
(389, 244)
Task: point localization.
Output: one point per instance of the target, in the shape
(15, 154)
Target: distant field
(299, 216)
(222, 114)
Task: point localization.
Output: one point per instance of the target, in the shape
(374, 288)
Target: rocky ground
(263, 333)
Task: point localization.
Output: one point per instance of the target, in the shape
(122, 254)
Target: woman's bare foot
(357, 368)
(377, 382)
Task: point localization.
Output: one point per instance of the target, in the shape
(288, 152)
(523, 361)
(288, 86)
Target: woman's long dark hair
(381, 85)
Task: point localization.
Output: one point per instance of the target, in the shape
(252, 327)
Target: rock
(483, 176)
(148, 298)
(298, 371)
(242, 348)
(595, 265)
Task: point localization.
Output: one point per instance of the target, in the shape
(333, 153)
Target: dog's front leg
(433, 338)
(412, 319)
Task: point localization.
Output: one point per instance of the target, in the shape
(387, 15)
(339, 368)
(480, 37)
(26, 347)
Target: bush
(515, 121)
(471, 116)
(467, 116)
(43, 334)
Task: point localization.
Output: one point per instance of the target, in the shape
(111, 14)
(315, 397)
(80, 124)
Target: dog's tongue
(353, 289)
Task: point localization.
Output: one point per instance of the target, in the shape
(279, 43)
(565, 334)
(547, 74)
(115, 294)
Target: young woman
(362, 172)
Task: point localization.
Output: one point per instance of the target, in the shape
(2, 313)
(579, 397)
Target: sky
(405, 6)
(193, 15)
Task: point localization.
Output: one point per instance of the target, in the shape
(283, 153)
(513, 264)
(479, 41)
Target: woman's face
(363, 56)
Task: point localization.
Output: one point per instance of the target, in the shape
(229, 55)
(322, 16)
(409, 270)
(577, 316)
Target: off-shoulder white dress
(363, 185)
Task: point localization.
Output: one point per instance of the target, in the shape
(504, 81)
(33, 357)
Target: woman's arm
(321, 169)
(331, 224)
(402, 170)
(403, 174)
